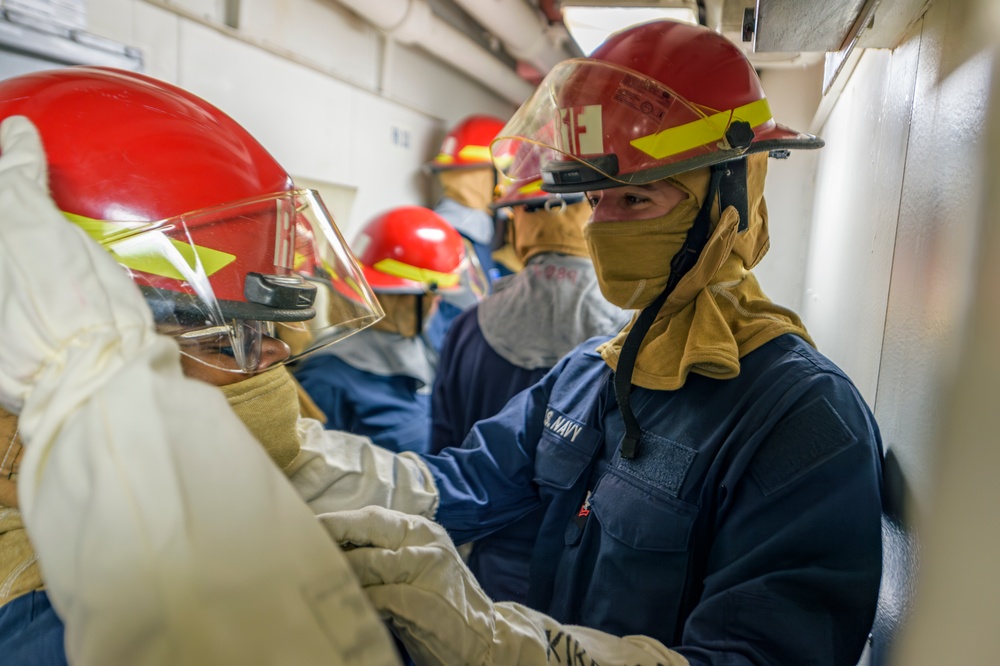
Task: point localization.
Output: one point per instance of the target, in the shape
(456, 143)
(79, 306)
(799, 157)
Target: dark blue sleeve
(440, 323)
(388, 409)
(399, 425)
(488, 483)
(323, 378)
(473, 382)
(793, 569)
(31, 634)
(449, 382)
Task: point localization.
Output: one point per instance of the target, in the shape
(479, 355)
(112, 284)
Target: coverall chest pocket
(643, 539)
(639, 517)
(637, 500)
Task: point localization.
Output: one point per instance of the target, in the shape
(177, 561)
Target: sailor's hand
(414, 576)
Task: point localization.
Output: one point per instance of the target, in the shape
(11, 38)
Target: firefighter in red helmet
(377, 383)
(464, 168)
(160, 524)
(228, 254)
(465, 171)
(705, 485)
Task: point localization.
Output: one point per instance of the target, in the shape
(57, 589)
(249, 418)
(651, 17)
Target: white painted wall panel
(321, 32)
(157, 32)
(958, 590)
(112, 19)
(213, 10)
(417, 79)
(303, 117)
(389, 145)
(935, 244)
(304, 77)
(890, 261)
(857, 198)
(793, 95)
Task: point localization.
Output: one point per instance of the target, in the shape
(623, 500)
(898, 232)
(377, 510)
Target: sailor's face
(219, 368)
(634, 202)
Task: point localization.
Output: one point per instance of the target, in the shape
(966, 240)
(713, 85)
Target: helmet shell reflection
(203, 218)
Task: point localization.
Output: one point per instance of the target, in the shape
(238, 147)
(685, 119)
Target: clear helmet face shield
(471, 285)
(224, 280)
(592, 124)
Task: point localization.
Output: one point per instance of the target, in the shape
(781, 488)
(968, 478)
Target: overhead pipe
(525, 34)
(412, 22)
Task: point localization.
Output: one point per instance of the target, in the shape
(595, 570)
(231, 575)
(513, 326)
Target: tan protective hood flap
(718, 312)
(470, 187)
(401, 313)
(507, 257)
(557, 230)
(268, 404)
(19, 572)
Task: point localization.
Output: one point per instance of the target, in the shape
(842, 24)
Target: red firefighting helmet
(413, 250)
(467, 145)
(205, 221)
(653, 100)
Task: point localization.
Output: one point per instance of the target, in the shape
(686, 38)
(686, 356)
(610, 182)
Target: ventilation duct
(412, 22)
(524, 32)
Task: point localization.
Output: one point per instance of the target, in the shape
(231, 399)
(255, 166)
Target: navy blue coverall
(746, 530)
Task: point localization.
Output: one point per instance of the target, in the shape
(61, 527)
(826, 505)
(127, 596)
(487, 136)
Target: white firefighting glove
(337, 471)
(63, 294)
(412, 573)
(164, 532)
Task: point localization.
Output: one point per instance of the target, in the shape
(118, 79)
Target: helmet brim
(777, 139)
(434, 167)
(388, 284)
(784, 137)
(176, 307)
(539, 201)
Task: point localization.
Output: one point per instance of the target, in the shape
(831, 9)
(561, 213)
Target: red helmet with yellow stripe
(653, 100)
(413, 250)
(467, 144)
(205, 221)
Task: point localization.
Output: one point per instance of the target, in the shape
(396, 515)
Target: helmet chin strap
(729, 181)
(420, 315)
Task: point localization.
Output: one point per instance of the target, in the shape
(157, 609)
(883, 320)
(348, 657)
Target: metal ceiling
(528, 37)
(791, 27)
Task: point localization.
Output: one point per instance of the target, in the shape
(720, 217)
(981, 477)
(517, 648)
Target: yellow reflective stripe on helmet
(676, 140)
(531, 188)
(299, 260)
(407, 272)
(475, 153)
(146, 252)
(443, 158)
(348, 281)
(104, 232)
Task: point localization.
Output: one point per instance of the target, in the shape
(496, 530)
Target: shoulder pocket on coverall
(564, 451)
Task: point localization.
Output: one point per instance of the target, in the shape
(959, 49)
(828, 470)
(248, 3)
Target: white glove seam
(425, 470)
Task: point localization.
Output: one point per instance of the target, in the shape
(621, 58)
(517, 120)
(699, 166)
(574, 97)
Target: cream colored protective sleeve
(165, 533)
(336, 471)
(412, 573)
